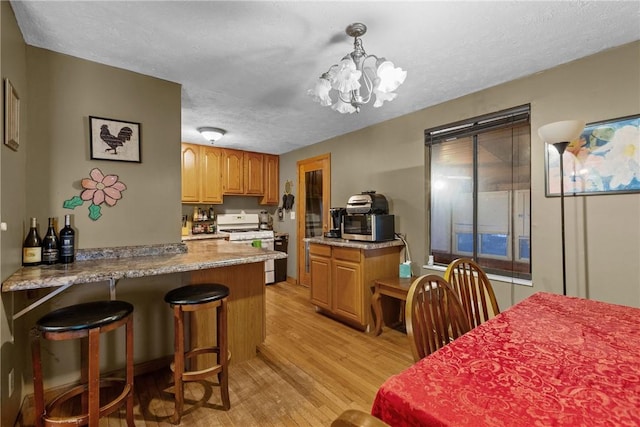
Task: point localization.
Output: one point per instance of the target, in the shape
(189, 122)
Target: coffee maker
(336, 215)
(266, 222)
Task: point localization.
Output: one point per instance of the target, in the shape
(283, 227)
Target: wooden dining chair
(433, 315)
(474, 289)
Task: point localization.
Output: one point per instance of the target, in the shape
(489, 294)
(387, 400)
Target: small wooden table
(394, 287)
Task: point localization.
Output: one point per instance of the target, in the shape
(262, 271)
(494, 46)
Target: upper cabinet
(253, 173)
(233, 172)
(190, 173)
(211, 162)
(271, 180)
(243, 172)
(208, 173)
(201, 174)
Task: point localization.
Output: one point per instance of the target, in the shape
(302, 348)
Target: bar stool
(87, 320)
(192, 298)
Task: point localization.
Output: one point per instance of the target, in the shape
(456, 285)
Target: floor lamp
(560, 134)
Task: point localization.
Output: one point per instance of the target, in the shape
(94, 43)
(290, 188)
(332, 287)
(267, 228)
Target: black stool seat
(196, 294)
(187, 300)
(86, 322)
(84, 316)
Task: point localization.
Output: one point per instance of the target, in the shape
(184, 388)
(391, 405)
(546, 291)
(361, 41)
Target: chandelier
(357, 78)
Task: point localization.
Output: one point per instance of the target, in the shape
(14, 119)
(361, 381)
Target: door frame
(321, 162)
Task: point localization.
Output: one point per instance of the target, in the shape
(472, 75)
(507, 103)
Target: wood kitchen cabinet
(271, 180)
(243, 173)
(320, 265)
(253, 173)
(233, 172)
(201, 174)
(209, 173)
(342, 277)
(190, 173)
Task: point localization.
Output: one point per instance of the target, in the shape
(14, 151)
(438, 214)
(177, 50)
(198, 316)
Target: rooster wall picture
(114, 140)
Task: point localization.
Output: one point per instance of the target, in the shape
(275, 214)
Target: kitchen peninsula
(239, 267)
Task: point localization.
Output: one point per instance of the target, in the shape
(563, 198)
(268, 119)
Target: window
(478, 188)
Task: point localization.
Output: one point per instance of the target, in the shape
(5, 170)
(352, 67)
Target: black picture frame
(114, 140)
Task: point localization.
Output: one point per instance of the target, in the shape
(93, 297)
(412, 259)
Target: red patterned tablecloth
(548, 361)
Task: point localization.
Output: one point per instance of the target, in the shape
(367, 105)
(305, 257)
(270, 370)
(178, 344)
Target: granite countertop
(353, 243)
(99, 265)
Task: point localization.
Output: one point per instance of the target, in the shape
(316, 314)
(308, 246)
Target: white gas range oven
(243, 228)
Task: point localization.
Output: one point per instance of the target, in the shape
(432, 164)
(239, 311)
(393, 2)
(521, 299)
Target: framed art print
(114, 140)
(605, 159)
(11, 116)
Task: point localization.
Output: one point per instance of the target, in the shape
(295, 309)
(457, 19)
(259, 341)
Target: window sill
(492, 277)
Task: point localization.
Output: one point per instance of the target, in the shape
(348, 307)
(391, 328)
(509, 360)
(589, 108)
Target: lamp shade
(563, 131)
(212, 134)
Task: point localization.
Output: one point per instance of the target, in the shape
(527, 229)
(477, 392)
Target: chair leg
(38, 388)
(178, 363)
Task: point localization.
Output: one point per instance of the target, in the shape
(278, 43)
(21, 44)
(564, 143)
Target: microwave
(368, 227)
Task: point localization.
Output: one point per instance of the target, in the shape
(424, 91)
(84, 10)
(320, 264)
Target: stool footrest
(83, 419)
(201, 374)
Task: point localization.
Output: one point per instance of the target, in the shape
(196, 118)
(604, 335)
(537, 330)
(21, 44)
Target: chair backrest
(434, 316)
(474, 289)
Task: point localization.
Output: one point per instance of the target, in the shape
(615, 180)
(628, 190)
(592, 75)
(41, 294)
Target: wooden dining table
(549, 360)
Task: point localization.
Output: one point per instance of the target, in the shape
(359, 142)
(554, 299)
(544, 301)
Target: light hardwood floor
(309, 370)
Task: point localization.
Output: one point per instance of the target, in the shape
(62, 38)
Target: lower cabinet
(342, 277)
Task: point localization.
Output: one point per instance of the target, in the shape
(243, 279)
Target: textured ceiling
(246, 66)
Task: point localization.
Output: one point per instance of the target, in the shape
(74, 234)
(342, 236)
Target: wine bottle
(32, 247)
(50, 251)
(67, 242)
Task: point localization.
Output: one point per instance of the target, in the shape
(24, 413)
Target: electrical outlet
(11, 383)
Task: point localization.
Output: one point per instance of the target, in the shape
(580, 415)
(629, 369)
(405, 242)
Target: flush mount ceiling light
(212, 134)
(357, 77)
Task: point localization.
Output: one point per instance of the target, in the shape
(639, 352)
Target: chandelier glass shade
(357, 79)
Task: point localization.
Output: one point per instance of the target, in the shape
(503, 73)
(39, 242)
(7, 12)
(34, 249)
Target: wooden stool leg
(94, 377)
(129, 374)
(38, 388)
(223, 353)
(84, 372)
(178, 363)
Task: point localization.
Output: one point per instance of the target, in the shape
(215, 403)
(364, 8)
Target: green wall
(603, 232)
(58, 93)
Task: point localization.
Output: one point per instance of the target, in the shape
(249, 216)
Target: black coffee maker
(336, 215)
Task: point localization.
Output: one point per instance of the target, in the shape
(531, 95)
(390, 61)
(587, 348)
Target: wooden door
(190, 173)
(271, 180)
(212, 161)
(312, 207)
(253, 173)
